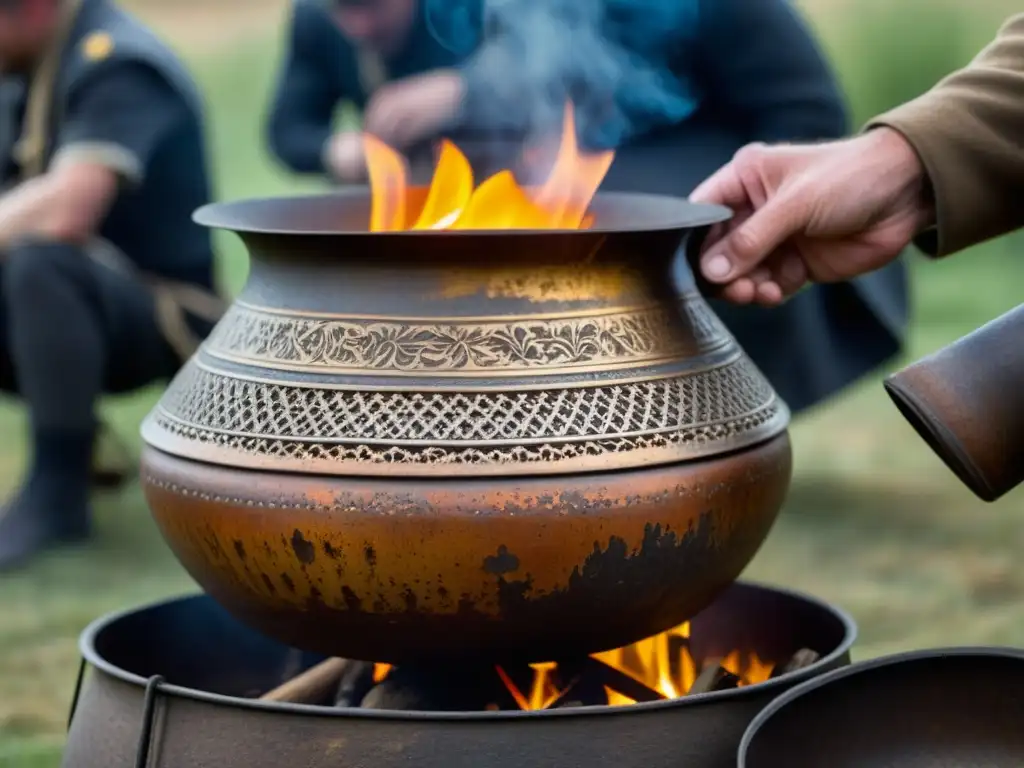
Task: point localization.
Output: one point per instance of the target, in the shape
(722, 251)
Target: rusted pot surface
(505, 443)
(392, 570)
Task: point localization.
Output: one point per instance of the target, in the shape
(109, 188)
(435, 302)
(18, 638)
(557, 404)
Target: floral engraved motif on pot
(473, 345)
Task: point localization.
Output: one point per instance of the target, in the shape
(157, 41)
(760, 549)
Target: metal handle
(148, 708)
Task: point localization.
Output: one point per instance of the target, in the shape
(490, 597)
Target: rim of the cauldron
(860, 668)
(87, 648)
(615, 213)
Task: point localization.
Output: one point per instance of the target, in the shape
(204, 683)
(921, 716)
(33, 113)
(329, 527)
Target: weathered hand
(416, 108)
(345, 157)
(822, 213)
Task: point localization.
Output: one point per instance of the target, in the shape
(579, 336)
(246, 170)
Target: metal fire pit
(165, 688)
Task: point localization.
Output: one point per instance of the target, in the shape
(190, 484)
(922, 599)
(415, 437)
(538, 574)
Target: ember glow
(455, 202)
(662, 663)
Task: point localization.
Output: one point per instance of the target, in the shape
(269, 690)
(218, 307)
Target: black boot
(52, 505)
(55, 336)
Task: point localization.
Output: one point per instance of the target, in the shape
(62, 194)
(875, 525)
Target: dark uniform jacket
(969, 133)
(749, 71)
(119, 96)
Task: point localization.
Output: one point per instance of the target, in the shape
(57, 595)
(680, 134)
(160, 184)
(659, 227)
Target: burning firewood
(713, 677)
(576, 683)
(577, 688)
(625, 684)
(802, 659)
(397, 694)
(440, 688)
(355, 683)
(313, 686)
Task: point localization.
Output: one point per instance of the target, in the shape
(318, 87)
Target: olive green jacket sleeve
(969, 133)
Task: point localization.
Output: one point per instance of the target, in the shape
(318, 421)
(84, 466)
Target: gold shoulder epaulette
(97, 46)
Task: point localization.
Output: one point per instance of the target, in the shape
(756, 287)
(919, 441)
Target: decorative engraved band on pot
(213, 417)
(465, 346)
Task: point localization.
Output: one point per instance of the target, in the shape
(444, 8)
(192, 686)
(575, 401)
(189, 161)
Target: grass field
(874, 522)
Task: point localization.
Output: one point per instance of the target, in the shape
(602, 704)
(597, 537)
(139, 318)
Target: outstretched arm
(951, 162)
(969, 133)
(300, 123)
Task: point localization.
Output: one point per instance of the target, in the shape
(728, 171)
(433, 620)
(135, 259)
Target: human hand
(821, 213)
(345, 157)
(415, 108)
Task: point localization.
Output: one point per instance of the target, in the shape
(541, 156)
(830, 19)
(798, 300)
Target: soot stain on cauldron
(330, 551)
(352, 601)
(269, 584)
(240, 549)
(288, 582)
(410, 600)
(504, 562)
(304, 550)
(213, 543)
(466, 606)
(602, 574)
(514, 592)
(371, 556)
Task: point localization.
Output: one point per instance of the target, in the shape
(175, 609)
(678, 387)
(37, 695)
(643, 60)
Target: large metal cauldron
(194, 714)
(506, 444)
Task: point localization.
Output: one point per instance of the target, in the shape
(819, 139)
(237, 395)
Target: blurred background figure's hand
(345, 157)
(821, 213)
(408, 111)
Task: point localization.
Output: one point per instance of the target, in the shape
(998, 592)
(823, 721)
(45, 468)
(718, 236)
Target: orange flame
(663, 663)
(499, 202)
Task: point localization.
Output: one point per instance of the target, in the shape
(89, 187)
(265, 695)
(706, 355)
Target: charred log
(314, 686)
(625, 684)
(440, 689)
(802, 659)
(713, 677)
(355, 683)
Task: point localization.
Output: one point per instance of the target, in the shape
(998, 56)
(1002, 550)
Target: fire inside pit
(182, 683)
(618, 678)
(655, 669)
(500, 202)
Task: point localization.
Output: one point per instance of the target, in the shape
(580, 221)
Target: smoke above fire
(617, 61)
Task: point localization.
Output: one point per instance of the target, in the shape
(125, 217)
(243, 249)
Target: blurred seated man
(105, 282)
(675, 86)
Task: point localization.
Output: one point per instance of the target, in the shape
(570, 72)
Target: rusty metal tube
(966, 402)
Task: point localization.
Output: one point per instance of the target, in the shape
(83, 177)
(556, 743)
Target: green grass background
(874, 521)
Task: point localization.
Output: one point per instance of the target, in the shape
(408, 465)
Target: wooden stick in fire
(312, 686)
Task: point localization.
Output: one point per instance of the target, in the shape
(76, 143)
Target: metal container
(514, 444)
(165, 684)
(963, 400)
(943, 708)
